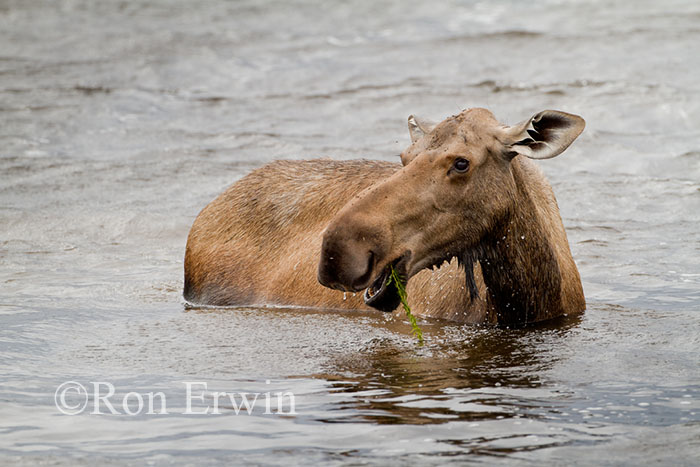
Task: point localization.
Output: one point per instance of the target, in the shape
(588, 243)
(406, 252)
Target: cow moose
(467, 219)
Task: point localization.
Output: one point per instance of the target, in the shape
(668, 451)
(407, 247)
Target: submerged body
(471, 223)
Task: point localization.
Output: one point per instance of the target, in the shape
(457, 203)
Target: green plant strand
(401, 288)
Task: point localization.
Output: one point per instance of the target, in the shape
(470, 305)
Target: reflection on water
(455, 378)
(120, 121)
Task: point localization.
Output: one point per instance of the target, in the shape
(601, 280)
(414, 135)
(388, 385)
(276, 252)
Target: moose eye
(461, 165)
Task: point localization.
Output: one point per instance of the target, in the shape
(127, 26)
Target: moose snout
(349, 256)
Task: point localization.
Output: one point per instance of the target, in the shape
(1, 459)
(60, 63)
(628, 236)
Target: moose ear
(545, 135)
(419, 127)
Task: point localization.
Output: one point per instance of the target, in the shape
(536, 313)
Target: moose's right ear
(545, 135)
(418, 127)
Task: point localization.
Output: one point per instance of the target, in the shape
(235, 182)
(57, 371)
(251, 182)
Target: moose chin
(467, 219)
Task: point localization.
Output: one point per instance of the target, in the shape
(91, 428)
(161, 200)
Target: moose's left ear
(545, 135)
(419, 127)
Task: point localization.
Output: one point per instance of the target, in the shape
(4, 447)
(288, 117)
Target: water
(120, 121)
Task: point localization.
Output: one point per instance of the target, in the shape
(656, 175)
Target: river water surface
(119, 121)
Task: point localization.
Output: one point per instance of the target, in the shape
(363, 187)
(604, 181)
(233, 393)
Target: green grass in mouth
(401, 288)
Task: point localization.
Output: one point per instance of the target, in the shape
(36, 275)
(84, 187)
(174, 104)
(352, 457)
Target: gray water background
(119, 121)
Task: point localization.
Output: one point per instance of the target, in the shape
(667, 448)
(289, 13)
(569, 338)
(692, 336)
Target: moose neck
(520, 267)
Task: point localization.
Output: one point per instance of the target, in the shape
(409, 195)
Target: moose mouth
(382, 294)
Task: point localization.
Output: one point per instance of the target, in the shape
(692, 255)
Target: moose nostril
(350, 252)
(364, 280)
(327, 275)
